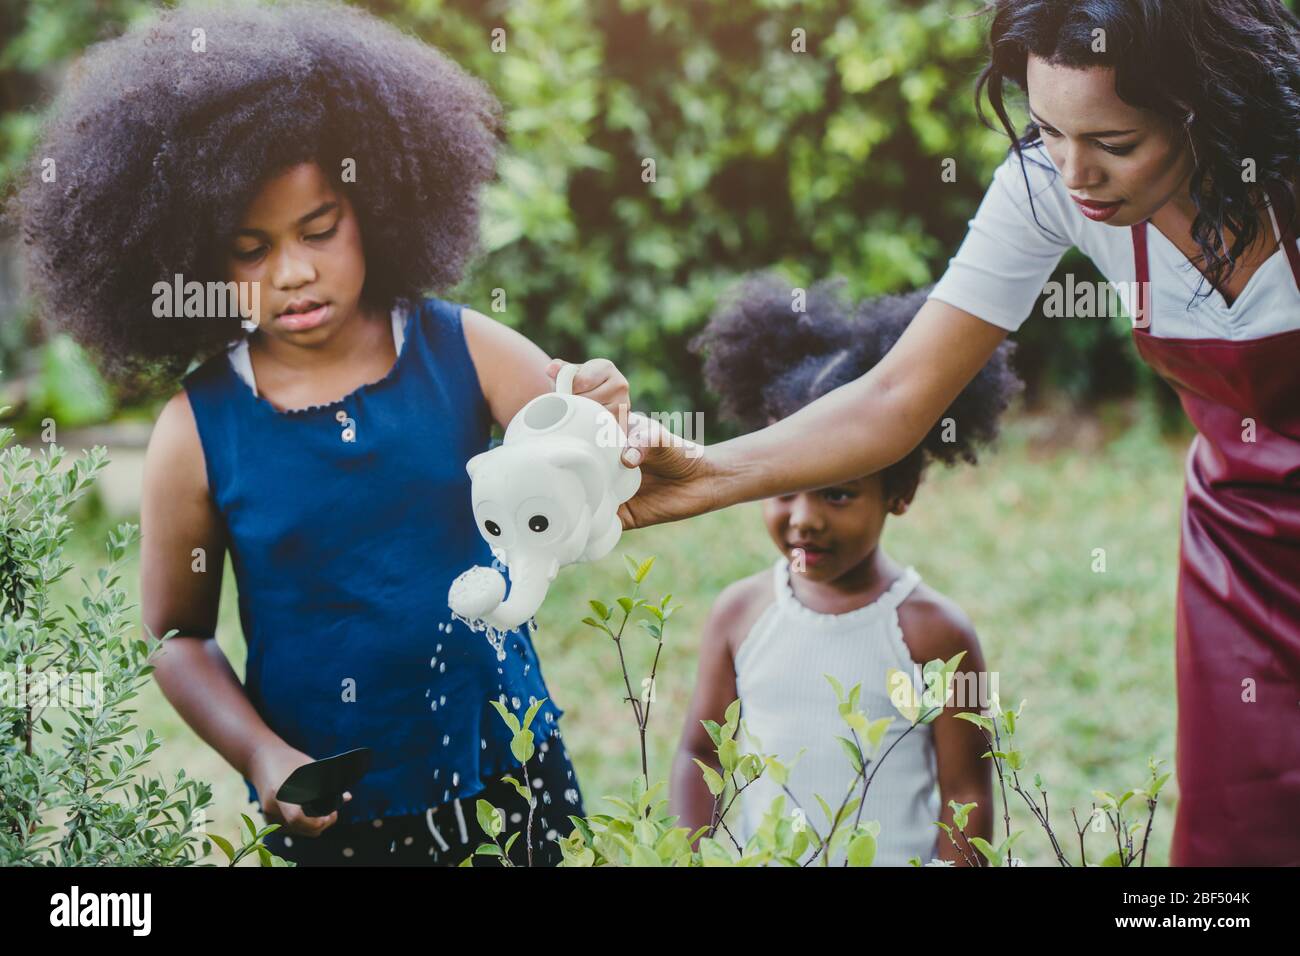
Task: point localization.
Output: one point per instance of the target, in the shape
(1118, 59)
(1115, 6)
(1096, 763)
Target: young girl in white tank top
(835, 603)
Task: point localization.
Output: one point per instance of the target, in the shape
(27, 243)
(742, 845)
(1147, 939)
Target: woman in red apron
(1238, 647)
(1114, 89)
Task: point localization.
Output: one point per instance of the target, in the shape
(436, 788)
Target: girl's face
(1120, 163)
(300, 240)
(836, 528)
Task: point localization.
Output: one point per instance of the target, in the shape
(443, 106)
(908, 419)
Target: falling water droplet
(496, 637)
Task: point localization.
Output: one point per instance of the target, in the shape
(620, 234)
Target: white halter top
(787, 704)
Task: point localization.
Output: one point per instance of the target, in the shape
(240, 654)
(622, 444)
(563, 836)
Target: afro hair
(162, 136)
(765, 361)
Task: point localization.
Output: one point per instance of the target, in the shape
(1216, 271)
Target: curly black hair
(765, 361)
(1228, 71)
(159, 147)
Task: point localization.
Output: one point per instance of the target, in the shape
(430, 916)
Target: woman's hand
(270, 767)
(679, 479)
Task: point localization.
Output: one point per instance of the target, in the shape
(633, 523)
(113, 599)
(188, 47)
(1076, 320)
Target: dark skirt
(446, 834)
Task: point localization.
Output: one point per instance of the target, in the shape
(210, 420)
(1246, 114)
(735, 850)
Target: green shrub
(74, 790)
(818, 163)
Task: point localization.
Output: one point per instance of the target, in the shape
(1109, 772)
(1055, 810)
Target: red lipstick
(1097, 211)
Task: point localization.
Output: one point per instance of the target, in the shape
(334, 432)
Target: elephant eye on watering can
(495, 527)
(540, 521)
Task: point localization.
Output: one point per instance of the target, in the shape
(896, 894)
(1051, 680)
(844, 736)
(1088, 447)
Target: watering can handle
(564, 378)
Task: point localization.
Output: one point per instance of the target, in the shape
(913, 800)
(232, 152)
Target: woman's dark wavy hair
(159, 148)
(765, 361)
(1226, 70)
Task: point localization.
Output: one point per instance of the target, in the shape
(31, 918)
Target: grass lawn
(1013, 541)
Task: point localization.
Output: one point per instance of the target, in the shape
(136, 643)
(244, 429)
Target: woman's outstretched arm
(858, 429)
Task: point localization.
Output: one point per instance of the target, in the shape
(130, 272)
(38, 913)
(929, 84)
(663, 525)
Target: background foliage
(821, 162)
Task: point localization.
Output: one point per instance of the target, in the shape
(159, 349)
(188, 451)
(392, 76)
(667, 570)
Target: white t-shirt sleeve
(1007, 257)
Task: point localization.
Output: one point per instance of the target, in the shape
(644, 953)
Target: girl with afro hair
(315, 154)
(835, 603)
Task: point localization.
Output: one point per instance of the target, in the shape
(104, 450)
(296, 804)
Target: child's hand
(270, 767)
(601, 381)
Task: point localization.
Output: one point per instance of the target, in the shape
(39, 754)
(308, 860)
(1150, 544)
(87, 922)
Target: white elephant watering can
(546, 497)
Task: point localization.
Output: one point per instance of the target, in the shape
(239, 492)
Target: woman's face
(836, 528)
(1120, 163)
(299, 239)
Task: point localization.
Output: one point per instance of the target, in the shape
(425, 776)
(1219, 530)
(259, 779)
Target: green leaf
(850, 748)
(511, 720)
(531, 713)
(862, 850)
(713, 729)
(779, 772)
(522, 746)
(986, 848)
(711, 778)
(728, 755)
(601, 610)
(732, 716)
(224, 845)
(519, 787)
(856, 720)
(979, 720)
(644, 856)
(490, 819)
(961, 813)
(713, 853)
(830, 818)
(643, 569)
(902, 694)
(839, 688)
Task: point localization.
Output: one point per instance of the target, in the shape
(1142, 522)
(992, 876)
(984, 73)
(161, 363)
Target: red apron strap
(1142, 272)
(1290, 245)
(1293, 257)
(1289, 241)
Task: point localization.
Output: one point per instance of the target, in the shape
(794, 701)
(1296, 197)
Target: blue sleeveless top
(344, 542)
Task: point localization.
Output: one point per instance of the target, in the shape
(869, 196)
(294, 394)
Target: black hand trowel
(318, 787)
